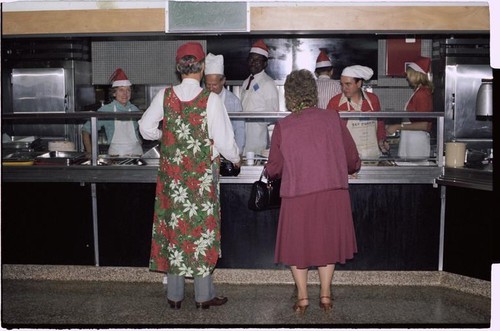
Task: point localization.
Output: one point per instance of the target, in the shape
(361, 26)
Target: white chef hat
(358, 71)
(214, 64)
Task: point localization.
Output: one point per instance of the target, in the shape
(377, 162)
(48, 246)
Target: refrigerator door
(39, 90)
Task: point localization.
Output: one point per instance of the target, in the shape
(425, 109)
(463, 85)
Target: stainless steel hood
(36, 90)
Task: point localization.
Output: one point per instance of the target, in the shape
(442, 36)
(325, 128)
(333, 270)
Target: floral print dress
(186, 225)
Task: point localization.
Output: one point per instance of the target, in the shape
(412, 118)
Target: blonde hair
(300, 90)
(416, 79)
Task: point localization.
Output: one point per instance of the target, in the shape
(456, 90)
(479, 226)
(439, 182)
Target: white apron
(414, 144)
(364, 133)
(124, 141)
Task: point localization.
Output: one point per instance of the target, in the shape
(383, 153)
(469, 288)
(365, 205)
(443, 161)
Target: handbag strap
(263, 174)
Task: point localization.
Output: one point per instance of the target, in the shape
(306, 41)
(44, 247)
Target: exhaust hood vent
(45, 50)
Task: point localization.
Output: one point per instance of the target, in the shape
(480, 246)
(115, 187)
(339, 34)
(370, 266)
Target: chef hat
(260, 47)
(358, 71)
(323, 61)
(214, 64)
(190, 48)
(421, 64)
(119, 78)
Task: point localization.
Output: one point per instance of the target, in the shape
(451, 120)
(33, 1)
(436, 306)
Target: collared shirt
(262, 94)
(219, 125)
(327, 89)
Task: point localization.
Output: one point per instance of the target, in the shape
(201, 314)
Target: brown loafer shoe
(217, 301)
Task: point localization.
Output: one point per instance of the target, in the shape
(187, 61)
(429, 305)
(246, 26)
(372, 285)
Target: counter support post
(95, 223)
(95, 146)
(440, 141)
(441, 228)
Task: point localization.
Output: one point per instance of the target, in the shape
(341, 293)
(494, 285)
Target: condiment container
(455, 154)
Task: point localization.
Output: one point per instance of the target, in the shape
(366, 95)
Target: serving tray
(60, 158)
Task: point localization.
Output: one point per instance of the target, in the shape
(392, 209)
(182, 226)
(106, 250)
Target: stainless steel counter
(249, 174)
(479, 179)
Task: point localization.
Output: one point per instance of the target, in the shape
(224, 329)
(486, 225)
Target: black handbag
(264, 196)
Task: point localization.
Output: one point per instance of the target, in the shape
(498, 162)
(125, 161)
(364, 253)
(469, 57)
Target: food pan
(60, 158)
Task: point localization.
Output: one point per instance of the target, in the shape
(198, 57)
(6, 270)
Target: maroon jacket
(312, 151)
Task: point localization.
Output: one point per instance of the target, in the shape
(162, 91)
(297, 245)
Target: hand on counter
(384, 146)
(392, 128)
(353, 176)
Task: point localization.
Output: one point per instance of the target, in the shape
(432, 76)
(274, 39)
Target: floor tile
(35, 303)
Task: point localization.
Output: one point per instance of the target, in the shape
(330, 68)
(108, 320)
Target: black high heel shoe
(300, 309)
(326, 306)
(174, 304)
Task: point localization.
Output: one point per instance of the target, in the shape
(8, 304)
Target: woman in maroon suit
(312, 152)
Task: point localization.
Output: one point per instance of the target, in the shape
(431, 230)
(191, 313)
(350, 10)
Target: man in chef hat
(215, 81)
(258, 94)
(368, 134)
(196, 129)
(327, 87)
(122, 133)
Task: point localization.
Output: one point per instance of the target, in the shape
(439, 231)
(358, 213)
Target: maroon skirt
(315, 230)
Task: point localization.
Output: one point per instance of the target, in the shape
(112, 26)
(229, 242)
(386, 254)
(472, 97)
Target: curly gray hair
(188, 65)
(300, 90)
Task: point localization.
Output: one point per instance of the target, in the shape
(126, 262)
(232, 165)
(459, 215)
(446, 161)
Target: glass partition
(394, 155)
(391, 157)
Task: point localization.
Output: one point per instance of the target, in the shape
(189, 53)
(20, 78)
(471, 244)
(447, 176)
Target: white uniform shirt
(262, 96)
(327, 89)
(219, 125)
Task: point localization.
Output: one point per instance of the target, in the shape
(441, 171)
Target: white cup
(250, 156)
(455, 155)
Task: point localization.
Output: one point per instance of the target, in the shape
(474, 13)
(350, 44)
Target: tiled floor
(96, 304)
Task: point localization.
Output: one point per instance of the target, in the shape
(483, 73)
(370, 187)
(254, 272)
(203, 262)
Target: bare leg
(325, 278)
(300, 277)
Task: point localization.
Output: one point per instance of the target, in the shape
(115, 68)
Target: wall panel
(269, 18)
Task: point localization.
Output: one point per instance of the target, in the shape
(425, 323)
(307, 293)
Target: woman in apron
(414, 140)
(122, 134)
